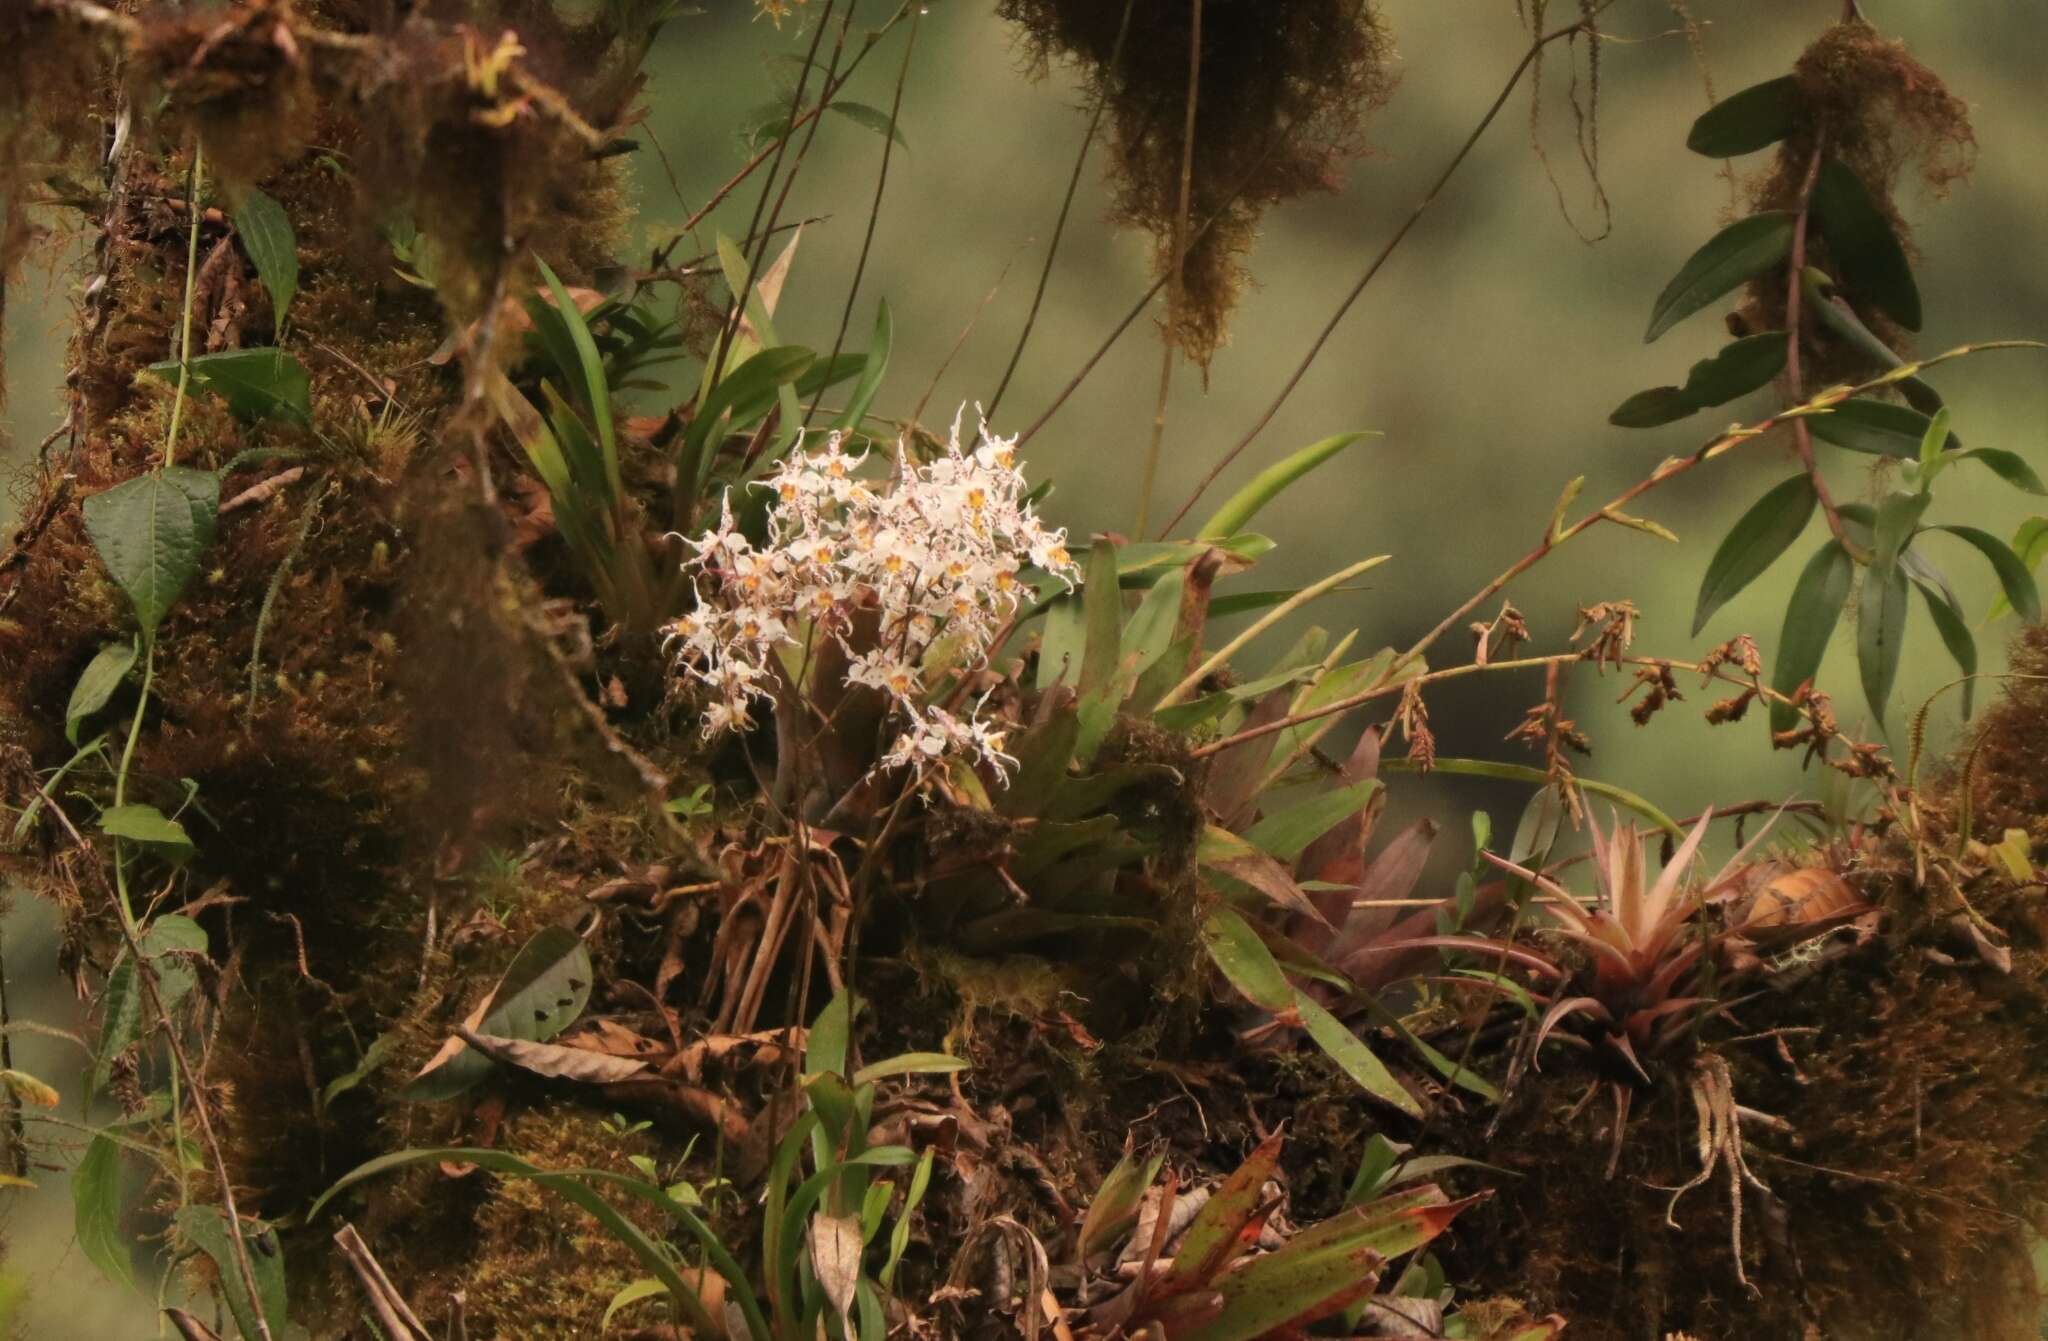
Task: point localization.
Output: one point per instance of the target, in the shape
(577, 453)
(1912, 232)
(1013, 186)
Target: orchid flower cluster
(935, 551)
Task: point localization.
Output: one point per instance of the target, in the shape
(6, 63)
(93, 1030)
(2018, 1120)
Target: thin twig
(1059, 226)
(1176, 293)
(867, 241)
(1372, 270)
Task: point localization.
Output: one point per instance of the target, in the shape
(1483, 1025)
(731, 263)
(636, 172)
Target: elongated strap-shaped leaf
(150, 532)
(1876, 427)
(1954, 630)
(1285, 833)
(1213, 1238)
(590, 365)
(2008, 466)
(1869, 259)
(1351, 1054)
(1880, 634)
(96, 1210)
(1810, 618)
(1766, 531)
(2029, 545)
(2013, 575)
(1742, 123)
(872, 371)
(1736, 370)
(1265, 486)
(1737, 254)
(1237, 950)
(1491, 768)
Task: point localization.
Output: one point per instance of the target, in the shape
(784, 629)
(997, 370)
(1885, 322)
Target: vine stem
(1802, 438)
(1373, 269)
(1176, 291)
(185, 328)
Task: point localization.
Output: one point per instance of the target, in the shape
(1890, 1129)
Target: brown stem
(1177, 288)
(1796, 269)
(1372, 270)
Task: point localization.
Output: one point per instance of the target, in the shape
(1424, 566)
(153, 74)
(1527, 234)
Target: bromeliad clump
(884, 572)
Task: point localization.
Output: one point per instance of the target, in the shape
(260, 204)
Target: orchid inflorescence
(935, 551)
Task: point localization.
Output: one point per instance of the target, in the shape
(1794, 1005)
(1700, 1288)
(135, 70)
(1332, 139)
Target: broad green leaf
(2013, 575)
(1737, 254)
(149, 826)
(1766, 531)
(2008, 466)
(103, 675)
(96, 1210)
(1742, 123)
(208, 1229)
(1810, 618)
(1245, 960)
(1350, 1052)
(1736, 370)
(830, 1037)
(544, 989)
(868, 118)
(257, 384)
(1876, 427)
(1869, 260)
(1880, 633)
(872, 371)
(168, 945)
(150, 532)
(1264, 487)
(1286, 833)
(267, 236)
(1897, 514)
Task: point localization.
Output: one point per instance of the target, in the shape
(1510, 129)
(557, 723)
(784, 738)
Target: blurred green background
(1489, 353)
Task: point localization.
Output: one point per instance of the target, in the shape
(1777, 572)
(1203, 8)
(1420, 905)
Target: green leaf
(544, 989)
(830, 1037)
(1810, 618)
(1742, 123)
(1114, 1206)
(1264, 487)
(120, 1021)
(1103, 617)
(1245, 960)
(589, 368)
(1880, 633)
(1737, 254)
(1541, 819)
(103, 675)
(2008, 466)
(2029, 542)
(871, 373)
(2013, 575)
(257, 384)
(1766, 531)
(1350, 1053)
(374, 1056)
(150, 532)
(1950, 624)
(168, 945)
(1286, 833)
(267, 236)
(910, 1064)
(741, 398)
(647, 1287)
(208, 1229)
(149, 826)
(1869, 260)
(868, 118)
(1736, 370)
(1876, 427)
(96, 1210)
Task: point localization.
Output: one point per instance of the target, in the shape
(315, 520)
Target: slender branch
(867, 242)
(1795, 384)
(1372, 270)
(185, 326)
(1059, 227)
(1176, 293)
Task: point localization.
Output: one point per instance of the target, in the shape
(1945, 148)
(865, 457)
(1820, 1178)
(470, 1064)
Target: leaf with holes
(150, 533)
(1766, 531)
(1810, 619)
(1737, 254)
(543, 990)
(268, 238)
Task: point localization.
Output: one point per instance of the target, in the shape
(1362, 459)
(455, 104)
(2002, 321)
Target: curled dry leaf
(556, 1062)
(835, 1243)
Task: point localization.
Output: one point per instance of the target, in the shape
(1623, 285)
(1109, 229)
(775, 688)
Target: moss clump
(1282, 99)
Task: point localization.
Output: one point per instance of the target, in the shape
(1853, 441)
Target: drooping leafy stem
(185, 322)
(1671, 467)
